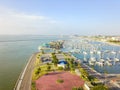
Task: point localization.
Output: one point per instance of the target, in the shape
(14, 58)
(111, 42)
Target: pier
(107, 79)
(24, 80)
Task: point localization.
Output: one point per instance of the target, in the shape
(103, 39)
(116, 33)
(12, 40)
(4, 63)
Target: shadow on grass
(54, 73)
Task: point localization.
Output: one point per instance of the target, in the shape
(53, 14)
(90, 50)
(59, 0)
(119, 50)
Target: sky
(60, 17)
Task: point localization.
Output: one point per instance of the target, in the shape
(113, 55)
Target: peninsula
(65, 72)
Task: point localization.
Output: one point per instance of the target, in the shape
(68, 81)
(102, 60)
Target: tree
(67, 66)
(48, 67)
(77, 88)
(91, 78)
(55, 60)
(60, 68)
(76, 64)
(70, 64)
(84, 74)
(38, 71)
(99, 87)
(60, 81)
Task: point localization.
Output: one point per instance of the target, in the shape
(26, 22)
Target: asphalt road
(24, 81)
(102, 77)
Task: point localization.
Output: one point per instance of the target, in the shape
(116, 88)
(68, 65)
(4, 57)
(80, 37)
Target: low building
(62, 63)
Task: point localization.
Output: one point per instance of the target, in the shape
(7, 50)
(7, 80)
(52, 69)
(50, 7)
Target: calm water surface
(16, 50)
(14, 53)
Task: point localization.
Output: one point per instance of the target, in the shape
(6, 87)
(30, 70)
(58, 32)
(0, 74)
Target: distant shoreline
(110, 43)
(113, 44)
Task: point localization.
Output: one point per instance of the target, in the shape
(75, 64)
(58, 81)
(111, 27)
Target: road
(24, 81)
(105, 78)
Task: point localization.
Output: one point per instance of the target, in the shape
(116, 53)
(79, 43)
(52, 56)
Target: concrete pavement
(24, 81)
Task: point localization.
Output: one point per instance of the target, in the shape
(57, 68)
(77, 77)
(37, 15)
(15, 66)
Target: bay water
(15, 51)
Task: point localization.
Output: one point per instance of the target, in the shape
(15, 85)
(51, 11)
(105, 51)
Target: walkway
(24, 81)
(104, 78)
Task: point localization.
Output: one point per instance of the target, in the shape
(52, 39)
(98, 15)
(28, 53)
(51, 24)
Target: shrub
(39, 69)
(99, 87)
(93, 83)
(33, 85)
(60, 81)
(75, 88)
(60, 68)
(37, 72)
(48, 67)
(72, 69)
(91, 78)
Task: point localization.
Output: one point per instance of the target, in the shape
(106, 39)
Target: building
(62, 63)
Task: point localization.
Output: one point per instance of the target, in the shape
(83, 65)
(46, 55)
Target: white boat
(92, 59)
(116, 60)
(99, 63)
(108, 63)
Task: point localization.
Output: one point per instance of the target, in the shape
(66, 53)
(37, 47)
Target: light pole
(114, 53)
(85, 53)
(91, 54)
(99, 54)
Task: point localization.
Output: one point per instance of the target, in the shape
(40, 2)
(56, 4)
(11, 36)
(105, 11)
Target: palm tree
(55, 60)
(38, 71)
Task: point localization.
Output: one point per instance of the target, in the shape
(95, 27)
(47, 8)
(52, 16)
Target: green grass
(60, 68)
(33, 85)
(79, 88)
(60, 81)
(114, 42)
(100, 87)
(43, 70)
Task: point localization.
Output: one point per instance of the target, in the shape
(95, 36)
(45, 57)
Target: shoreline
(109, 43)
(23, 73)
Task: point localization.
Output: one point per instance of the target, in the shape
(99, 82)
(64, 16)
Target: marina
(84, 50)
(98, 55)
(73, 44)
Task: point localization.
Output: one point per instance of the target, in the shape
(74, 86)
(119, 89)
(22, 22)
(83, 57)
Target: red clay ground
(49, 82)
